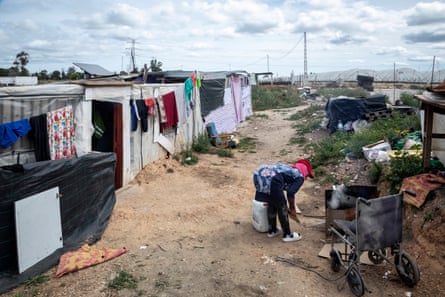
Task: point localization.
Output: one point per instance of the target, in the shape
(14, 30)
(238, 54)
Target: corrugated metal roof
(93, 69)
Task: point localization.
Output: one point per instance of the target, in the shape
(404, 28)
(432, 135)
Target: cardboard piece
(326, 249)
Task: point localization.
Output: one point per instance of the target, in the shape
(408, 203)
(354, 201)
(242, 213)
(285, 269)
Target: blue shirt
(263, 175)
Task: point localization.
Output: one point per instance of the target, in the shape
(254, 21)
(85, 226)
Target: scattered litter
(263, 288)
(267, 260)
(376, 151)
(142, 247)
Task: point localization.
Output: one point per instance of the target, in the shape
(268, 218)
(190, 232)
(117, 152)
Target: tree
(56, 75)
(155, 65)
(72, 74)
(43, 75)
(4, 72)
(21, 60)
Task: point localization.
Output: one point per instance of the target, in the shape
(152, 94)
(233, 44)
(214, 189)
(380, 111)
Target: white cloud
(209, 35)
(397, 50)
(126, 15)
(426, 14)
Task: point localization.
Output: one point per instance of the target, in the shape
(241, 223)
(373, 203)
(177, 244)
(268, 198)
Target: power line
(285, 55)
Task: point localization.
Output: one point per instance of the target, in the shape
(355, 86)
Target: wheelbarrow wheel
(407, 269)
(335, 260)
(355, 282)
(375, 256)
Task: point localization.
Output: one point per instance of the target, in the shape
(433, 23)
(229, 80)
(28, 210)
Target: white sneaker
(292, 237)
(297, 209)
(274, 234)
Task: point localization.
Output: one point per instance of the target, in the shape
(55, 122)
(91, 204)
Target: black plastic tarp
(351, 109)
(86, 185)
(211, 94)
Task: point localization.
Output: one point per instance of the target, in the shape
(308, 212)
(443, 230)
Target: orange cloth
(421, 184)
(85, 257)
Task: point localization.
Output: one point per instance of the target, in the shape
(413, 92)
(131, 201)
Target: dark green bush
(404, 166)
(374, 172)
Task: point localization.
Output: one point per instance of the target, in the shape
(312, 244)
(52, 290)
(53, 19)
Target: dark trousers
(278, 206)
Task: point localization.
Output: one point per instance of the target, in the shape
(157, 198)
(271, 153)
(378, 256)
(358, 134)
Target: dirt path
(189, 233)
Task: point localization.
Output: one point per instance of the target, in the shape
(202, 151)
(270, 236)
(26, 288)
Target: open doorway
(107, 119)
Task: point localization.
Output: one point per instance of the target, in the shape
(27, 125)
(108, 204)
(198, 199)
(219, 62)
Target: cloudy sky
(257, 36)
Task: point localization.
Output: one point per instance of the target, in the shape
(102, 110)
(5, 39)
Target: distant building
(18, 80)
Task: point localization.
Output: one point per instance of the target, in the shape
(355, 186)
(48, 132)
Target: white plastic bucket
(259, 216)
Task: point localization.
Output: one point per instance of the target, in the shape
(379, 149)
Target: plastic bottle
(259, 216)
(340, 125)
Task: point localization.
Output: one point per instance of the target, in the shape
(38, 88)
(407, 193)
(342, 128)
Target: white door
(38, 227)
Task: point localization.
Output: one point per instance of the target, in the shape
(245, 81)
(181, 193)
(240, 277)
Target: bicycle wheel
(407, 269)
(355, 282)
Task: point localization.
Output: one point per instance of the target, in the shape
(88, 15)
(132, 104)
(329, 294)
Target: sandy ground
(189, 233)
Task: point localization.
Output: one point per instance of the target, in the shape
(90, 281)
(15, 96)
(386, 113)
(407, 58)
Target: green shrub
(297, 140)
(403, 166)
(409, 100)
(381, 129)
(225, 153)
(247, 144)
(316, 110)
(329, 150)
(201, 144)
(188, 158)
(309, 126)
(123, 280)
(270, 97)
(374, 172)
(37, 280)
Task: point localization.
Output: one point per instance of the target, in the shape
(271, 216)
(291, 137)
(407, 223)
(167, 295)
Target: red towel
(170, 110)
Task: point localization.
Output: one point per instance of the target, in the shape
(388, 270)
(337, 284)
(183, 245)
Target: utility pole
(305, 76)
(133, 54)
(432, 72)
(394, 84)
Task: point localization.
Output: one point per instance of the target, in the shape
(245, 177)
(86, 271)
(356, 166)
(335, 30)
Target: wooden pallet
(372, 116)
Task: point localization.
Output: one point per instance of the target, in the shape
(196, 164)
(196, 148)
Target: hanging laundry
(188, 89)
(39, 131)
(61, 133)
(134, 115)
(198, 79)
(143, 114)
(161, 107)
(171, 111)
(150, 103)
(11, 132)
(180, 106)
